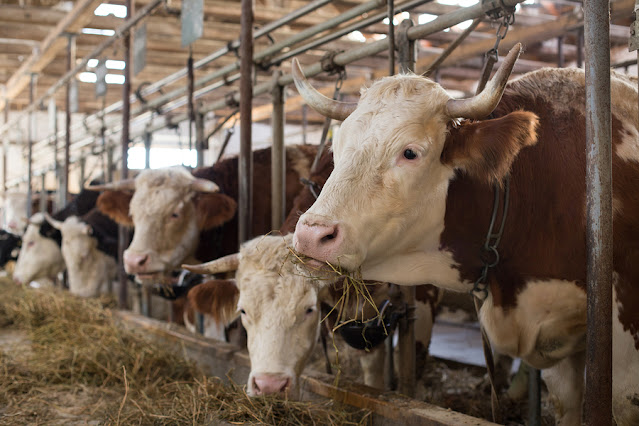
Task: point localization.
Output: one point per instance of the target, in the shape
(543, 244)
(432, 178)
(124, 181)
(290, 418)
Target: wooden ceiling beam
(72, 22)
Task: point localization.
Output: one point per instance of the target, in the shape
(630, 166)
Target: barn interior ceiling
(34, 40)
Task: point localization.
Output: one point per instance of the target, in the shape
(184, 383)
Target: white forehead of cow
(388, 91)
(177, 178)
(37, 218)
(74, 226)
(267, 274)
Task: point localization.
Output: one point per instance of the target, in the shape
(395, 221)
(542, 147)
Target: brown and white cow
(411, 197)
(182, 217)
(280, 310)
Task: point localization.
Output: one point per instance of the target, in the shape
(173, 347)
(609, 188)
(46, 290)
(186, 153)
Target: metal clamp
(229, 100)
(329, 65)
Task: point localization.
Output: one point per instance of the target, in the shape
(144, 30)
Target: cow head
(15, 212)
(279, 309)
(88, 268)
(397, 151)
(168, 208)
(39, 257)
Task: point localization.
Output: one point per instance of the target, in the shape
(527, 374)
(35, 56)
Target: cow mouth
(159, 277)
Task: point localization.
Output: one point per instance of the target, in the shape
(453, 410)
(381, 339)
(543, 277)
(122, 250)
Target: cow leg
(372, 363)
(565, 382)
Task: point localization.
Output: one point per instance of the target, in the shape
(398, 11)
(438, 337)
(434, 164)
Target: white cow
(40, 257)
(280, 308)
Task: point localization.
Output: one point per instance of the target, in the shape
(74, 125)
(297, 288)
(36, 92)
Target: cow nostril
(256, 388)
(285, 386)
(329, 237)
(143, 260)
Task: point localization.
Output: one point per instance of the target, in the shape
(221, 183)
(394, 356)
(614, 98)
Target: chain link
(507, 20)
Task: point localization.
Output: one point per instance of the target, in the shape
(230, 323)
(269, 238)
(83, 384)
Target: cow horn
(121, 185)
(55, 223)
(320, 103)
(481, 105)
(203, 185)
(224, 264)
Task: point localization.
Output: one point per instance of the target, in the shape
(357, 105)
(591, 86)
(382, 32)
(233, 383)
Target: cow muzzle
(319, 239)
(271, 384)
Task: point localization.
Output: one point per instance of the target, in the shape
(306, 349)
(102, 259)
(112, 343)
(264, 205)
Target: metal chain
(492, 56)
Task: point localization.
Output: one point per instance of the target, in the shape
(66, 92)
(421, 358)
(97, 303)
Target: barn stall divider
(598, 393)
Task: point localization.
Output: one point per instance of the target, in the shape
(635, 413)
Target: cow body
(175, 223)
(41, 255)
(411, 198)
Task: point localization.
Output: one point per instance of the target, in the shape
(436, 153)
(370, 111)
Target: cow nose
(320, 241)
(135, 262)
(269, 384)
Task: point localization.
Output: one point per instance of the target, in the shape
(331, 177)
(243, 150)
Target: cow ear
(115, 204)
(217, 298)
(213, 210)
(485, 150)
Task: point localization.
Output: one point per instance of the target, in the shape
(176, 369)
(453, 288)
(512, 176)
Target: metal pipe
(406, 327)
(560, 51)
(43, 193)
(580, 47)
(245, 170)
(119, 32)
(534, 397)
(390, 7)
(278, 157)
(71, 51)
(30, 136)
(451, 47)
(234, 45)
(53, 123)
(147, 149)
(190, 106)
(598, 391)
(200, 142)
(258, 57)
(5, 143)
(126, 115)
(83, 169)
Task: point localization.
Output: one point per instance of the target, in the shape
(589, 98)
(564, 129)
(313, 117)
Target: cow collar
(366, 335)
(489, 254)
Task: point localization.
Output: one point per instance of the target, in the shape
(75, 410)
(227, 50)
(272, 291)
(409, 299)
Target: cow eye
(174, 216)
(30, 243)
(242, 311)
(409, 154)
(310, 311)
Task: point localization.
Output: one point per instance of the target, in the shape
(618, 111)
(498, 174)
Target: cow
(411, 198)
(89, 249)
(182, 217)
(9, 247)
(41, 256)
(280, 310)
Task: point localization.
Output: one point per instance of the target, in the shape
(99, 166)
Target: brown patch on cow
(485, 150)
(305, 198)
(179, 307)
(216, 298)
(544, 235)
(115, 204)
(214, 210)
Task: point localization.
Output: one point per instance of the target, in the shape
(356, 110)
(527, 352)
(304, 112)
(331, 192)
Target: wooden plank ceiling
(32, 40)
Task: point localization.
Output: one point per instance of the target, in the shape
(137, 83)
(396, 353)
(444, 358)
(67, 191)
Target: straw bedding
(71, 364)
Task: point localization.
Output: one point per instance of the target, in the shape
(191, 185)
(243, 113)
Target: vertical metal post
(148, 136)
(145, 302)
(245, 207)
(580, 47)
(390, 7)
(30, 137)
(190, 106)
(5, 143)
(406, 328)
(54, 148)
(278, 156)
(199, 139)
(534, 397)
(598, 392)
(43, 192)
(123, 233)
(560, 51)
(71, 49)
(83, 170)
(109, 171)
